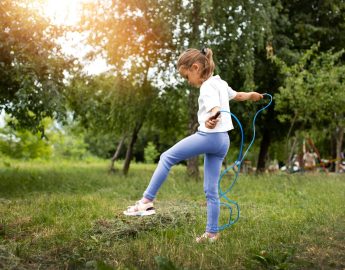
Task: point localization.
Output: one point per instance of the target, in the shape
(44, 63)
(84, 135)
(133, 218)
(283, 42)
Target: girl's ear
(195, 67)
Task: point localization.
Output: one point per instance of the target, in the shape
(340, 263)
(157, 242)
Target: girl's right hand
(211, 122)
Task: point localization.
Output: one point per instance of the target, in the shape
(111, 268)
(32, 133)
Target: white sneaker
(140, 209)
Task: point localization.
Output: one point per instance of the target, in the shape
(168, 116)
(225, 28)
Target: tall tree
(313, 94)
(239, 33)
(296, 26)
(135, 38)
(233, 32)
(110, 105)
(194, 19)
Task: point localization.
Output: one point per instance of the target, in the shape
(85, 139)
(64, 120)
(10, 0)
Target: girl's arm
(242, 96)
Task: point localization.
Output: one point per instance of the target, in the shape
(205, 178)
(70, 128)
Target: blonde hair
(203, 57)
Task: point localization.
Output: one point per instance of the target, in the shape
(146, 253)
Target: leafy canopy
(31, 66)
(313, 89)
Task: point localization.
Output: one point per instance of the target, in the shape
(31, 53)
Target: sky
(68, 12)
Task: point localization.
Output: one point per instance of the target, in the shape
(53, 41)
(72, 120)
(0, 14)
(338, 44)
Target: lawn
(68, 215)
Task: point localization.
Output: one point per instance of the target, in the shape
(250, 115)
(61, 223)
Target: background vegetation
(291, 49)
(63, 129)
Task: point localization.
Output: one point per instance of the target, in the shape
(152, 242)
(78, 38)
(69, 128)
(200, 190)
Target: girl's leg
(212, 167)
(193, 145)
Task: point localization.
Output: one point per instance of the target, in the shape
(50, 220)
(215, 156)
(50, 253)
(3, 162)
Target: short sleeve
(231, 93)
(210, 97)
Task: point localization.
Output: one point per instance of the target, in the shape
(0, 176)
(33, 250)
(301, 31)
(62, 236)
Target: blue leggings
(214, 146)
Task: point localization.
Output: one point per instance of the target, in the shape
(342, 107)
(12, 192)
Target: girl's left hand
(256, 96)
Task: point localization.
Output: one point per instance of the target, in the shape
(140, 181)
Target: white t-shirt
(215, 92)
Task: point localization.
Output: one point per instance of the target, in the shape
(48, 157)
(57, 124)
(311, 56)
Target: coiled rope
(236, 166)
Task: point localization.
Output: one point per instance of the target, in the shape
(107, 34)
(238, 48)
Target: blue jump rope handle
(236, 166)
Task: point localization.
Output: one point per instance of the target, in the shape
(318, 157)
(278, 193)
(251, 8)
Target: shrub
(150, 153)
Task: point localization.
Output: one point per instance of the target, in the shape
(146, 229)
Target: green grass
(68, 215)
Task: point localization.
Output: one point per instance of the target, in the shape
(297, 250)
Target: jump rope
(236, 166)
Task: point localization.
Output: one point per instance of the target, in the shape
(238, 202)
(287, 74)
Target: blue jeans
(214, 146)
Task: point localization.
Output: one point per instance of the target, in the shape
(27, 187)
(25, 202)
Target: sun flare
(63, 12)
(69, 13)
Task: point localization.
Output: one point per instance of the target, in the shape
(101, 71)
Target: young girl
(211, 139)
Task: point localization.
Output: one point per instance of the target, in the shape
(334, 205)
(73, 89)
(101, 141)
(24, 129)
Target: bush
(150, 153)
(25, 144)
(70, 146)
(57, 143)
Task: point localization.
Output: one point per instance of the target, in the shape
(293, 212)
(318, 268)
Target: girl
(211, 139)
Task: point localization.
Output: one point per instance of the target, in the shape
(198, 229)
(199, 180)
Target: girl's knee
(212, 196)
(166, 159)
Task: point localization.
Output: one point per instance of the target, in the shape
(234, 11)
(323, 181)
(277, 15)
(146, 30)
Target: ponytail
(209, 65)
(204, 57)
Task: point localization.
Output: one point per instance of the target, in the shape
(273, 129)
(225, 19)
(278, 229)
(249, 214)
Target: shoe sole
(140, 213)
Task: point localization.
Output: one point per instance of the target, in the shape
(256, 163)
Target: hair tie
(203, 51)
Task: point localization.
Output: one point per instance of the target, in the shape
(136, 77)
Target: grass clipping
(7, 259)
(123, 227)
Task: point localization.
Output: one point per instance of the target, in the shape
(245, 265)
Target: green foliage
(150, 153)
(31, 66)
(169, 115)
(314, 21)
(100, 144)
(141, 40)
(69, 146)
(139, 34)
(137, 43)
(22, 143)
(238, 32)
(57, 143)
(313, 90)
(137, 40)
(25, 144)
(109, 107)
(295, 26)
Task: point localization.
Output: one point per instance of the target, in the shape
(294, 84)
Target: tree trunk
(289, 161)
(193, 163)
(129, 152)
(269, 124)
(339, 146)
(139, 123)
(116, 155)
(193, 167)
(333, 149)
(264, 145)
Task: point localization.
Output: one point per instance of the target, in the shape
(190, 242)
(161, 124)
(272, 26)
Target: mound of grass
(121, 227)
